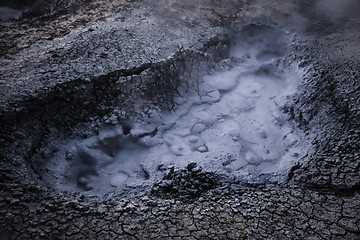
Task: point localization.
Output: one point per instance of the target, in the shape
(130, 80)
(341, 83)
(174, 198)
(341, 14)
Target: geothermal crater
(230, 121)
(178, 119)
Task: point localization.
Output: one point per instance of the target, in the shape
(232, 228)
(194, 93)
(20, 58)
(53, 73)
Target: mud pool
(104, 104)
(229, 122)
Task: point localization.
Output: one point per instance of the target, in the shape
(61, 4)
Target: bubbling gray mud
(230, 122)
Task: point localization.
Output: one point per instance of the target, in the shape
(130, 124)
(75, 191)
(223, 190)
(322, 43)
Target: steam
(337, 10)
(7, 13)
(328, 11)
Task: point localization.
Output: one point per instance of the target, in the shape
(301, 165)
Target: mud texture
(63, 74)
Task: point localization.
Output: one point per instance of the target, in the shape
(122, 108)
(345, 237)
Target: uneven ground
(69, 70)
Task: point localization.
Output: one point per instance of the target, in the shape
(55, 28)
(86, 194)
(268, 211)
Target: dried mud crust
(52, 19)
(321, 200)
(269, 213)
(186, 184)
(328, 105)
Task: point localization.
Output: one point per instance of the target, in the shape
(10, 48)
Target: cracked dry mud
(74, 73)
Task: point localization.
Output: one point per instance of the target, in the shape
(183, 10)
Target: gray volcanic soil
(72, 72)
